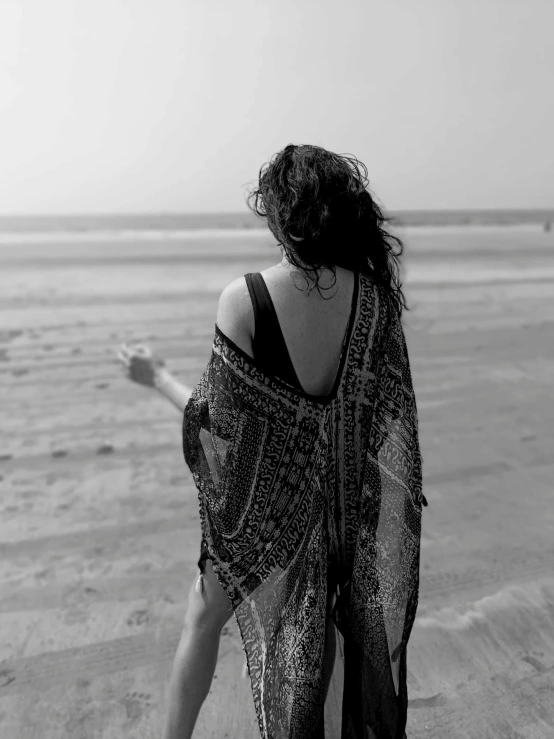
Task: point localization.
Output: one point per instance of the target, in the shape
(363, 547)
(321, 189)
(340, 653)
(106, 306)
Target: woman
(302, 440)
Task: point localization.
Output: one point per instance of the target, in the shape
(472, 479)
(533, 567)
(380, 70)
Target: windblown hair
(319, 208)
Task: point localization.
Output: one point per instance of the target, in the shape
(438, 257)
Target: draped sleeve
(242, 440)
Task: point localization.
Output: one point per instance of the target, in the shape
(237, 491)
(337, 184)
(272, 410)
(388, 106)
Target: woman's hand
(144, 367)
(140, 364)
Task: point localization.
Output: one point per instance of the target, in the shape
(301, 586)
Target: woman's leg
(330, 642)
(193, 669)
(329, 656)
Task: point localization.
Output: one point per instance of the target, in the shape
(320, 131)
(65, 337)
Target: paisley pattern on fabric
(306, 500)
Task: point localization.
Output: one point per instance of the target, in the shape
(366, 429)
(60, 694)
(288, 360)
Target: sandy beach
(99, 531)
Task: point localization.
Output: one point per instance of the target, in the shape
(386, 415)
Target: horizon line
(147, 213)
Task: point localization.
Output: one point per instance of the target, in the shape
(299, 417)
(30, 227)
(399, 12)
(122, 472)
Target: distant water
(179, 225)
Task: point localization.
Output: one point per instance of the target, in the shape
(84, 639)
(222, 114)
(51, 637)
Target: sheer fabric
(303, 497)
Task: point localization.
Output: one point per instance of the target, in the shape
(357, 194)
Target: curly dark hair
(319, 208)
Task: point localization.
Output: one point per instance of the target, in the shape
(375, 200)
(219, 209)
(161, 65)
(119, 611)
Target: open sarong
(305, 501)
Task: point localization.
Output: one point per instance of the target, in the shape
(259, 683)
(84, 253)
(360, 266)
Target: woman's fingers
(143, 350)
(125, 353)
(140, 349)
(123, 359)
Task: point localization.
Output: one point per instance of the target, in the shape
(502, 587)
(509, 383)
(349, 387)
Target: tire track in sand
(50, 669)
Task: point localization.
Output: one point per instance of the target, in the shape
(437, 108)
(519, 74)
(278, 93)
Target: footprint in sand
(105, 449)
(137, 618)
(431, 702)
(534, 662)
(9, 335)
(7, 676)
(136, 704)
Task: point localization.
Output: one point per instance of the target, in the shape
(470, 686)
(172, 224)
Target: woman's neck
(324, 273)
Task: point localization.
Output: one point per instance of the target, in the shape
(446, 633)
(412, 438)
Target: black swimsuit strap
(269, 344)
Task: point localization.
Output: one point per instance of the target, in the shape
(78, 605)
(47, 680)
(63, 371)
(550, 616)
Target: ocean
(170, 226)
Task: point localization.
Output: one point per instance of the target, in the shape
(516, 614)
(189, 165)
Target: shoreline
(56, 237)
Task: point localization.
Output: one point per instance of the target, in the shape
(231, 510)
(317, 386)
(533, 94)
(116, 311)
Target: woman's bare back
(313, 326)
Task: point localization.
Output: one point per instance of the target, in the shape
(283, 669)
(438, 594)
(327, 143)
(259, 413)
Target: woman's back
(313, 326)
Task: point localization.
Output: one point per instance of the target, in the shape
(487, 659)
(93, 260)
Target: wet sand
(99, 522)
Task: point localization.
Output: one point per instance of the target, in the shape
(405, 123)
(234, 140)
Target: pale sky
(173, 105)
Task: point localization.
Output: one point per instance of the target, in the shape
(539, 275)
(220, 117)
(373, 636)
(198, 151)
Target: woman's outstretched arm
(170, 387)
(145, 368)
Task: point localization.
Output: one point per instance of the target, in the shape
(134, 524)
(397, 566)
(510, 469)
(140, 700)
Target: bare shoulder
(235, 297)
(235, 316)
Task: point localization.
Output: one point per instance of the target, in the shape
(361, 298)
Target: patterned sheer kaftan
(301, 495)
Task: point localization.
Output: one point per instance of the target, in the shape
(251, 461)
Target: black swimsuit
(268, 343)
